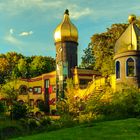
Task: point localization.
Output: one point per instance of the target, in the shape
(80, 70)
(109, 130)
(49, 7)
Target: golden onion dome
(131, 18)
(66, 30)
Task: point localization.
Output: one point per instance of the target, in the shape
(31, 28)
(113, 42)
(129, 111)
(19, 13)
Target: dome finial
(66, 12)
(131, 18)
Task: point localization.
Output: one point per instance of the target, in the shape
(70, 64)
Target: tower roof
(66, 30)
(129, 40)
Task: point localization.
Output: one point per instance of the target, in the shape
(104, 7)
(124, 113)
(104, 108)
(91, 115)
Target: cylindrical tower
(127, 56)
(66, 42)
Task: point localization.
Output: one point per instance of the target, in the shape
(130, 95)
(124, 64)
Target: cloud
(25, 47)
(81, 13)
(26, 33)
(18, 7)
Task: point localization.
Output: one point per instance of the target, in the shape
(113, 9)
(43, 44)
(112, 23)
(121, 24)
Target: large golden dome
(66, 31)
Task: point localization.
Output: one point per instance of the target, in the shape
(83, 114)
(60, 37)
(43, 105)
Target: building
(50, 86)
(127, 56)
(66, 42)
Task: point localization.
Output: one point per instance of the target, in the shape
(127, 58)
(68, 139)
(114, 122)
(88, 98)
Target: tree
(9, 91)
(71, 104)
(22, 67)
(41, 65)
(88, 60)
(4, 68)
(103, 48)
(14, 65)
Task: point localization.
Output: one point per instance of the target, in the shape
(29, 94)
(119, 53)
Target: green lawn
(128, 129)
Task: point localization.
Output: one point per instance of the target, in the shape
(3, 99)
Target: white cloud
(26, 33)
(81, 13)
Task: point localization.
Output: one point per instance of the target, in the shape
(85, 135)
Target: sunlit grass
(128, 129)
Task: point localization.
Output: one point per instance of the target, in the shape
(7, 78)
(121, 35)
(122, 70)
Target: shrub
(33, 124)
(120, 104)
(2, 107)
(45, 121)
(19, 111)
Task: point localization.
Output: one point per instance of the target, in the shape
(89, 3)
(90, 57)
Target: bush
(2, 107)
(18, 111)
(118, 105)
(45, 121)
(33, 124)
(67, 120)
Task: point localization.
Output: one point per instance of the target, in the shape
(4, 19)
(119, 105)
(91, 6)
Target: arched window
(117, 70)
(23, 89)
(130, 67)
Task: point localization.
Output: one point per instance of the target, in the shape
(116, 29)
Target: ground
(128, 129)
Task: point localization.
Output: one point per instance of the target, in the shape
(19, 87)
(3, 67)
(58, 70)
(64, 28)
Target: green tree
(4, 69)
(41, 65)
(88, 60)
(103, 48)
(22, 67)
(9, 91)
(14, 65)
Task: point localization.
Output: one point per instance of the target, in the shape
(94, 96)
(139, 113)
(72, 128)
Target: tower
(127, 56)
(66, 42)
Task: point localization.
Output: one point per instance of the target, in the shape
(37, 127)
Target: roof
(129, 40)
(66, 30)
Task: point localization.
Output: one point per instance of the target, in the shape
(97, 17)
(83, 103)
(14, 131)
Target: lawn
(128, 129)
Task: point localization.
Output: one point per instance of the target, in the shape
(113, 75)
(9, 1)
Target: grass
(128, 129)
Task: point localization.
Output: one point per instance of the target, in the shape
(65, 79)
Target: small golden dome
(131, 18)
(66, 31)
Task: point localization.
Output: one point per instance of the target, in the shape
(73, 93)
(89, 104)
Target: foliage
(14, 65)
(121, 104)
(96, 99)
(69, 104)
(41, 65)
(42, 106)
(33, 124)
(4, 68)
(2, 107)
(103, 48)
(19, 110)
(45, 121)
(88, 60)
(9, 92)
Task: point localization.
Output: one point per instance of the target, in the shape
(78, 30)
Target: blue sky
(27, 26)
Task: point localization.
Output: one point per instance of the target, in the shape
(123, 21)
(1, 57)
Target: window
(130, 67)
(37, 90)
(23, 89)
(117, 69)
